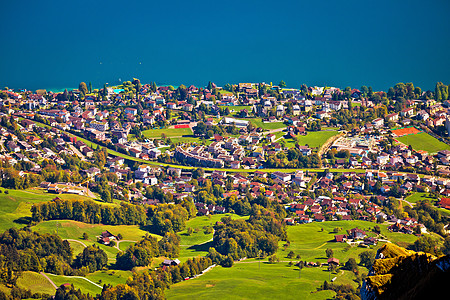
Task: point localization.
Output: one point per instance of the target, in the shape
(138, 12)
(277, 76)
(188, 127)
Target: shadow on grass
(202, 247)
(23, 220)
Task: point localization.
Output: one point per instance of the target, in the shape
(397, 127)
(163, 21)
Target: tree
(291, 254)
(282, 84)
(446, 246)
(364, 90)
(90, 87)
(83, 89)
(85, 236)
(351, 264)
(367, 258)
(329, 252)
(227, 262)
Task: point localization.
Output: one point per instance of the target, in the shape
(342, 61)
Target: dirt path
(49, 280)
(118, 243)
(77, 241)
(80, 277)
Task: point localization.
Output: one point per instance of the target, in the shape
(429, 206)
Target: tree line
(142, 252)
(255, 237)
(25, 250)
(88, 211)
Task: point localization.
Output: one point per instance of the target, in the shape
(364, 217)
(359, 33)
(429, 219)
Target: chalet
(444, 203)
(131, 110)
(357, 233)
(12, 146)
(333, 261)
(171, 262)
(106, 237)
(392, 117)
(340, 238)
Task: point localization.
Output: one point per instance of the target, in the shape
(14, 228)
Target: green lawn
(74, 230)
(78, 282)
(169, 132)
(266, 125)
(36, 283)
(198, 242)
(15, 206)
(113, 277)
(423, 141)
(313, 139)
(246, 280)
(416, 197)
(251, 280)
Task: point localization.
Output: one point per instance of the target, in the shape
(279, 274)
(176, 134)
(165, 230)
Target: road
(49, 280)
(77, 241)
(115, 153)
(119, 241)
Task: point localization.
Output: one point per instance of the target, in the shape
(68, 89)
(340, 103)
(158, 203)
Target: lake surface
(52, 44)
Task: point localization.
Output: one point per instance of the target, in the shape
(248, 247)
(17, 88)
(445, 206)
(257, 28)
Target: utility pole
(259, 261)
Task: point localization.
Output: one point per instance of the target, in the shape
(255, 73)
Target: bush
(227, 262)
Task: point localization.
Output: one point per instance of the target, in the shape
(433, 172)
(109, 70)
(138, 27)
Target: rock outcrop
(404, 274)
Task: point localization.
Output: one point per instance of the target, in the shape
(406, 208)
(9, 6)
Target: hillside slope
(403, 274)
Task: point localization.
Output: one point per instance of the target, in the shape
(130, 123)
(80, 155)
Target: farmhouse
(106, 237)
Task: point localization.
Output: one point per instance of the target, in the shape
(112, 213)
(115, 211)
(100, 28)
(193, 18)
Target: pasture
(15, 206)
(68, 229)
(254, 280)
(198, 242)
(258, 279)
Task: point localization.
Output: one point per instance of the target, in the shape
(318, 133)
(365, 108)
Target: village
(55, 127)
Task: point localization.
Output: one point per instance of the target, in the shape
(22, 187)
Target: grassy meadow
(15, 206)
(198, 242)
(258, 279)
(423, 141)
(35, 282)
(251, 280)
(69, 229)
(313, 139)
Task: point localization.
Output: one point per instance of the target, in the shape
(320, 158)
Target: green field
(78, 282)
(74, 230)
(35, 282)
(198, 242)
(169, 132)
(310, 241)
(313, 139)
(251, 280)
(416, 197)
(423, 141)
(266, 125)
(15, 206)
(113, 277)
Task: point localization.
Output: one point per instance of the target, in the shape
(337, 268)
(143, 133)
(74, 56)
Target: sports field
(423, 141)
(169, 132)
(405, 131)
